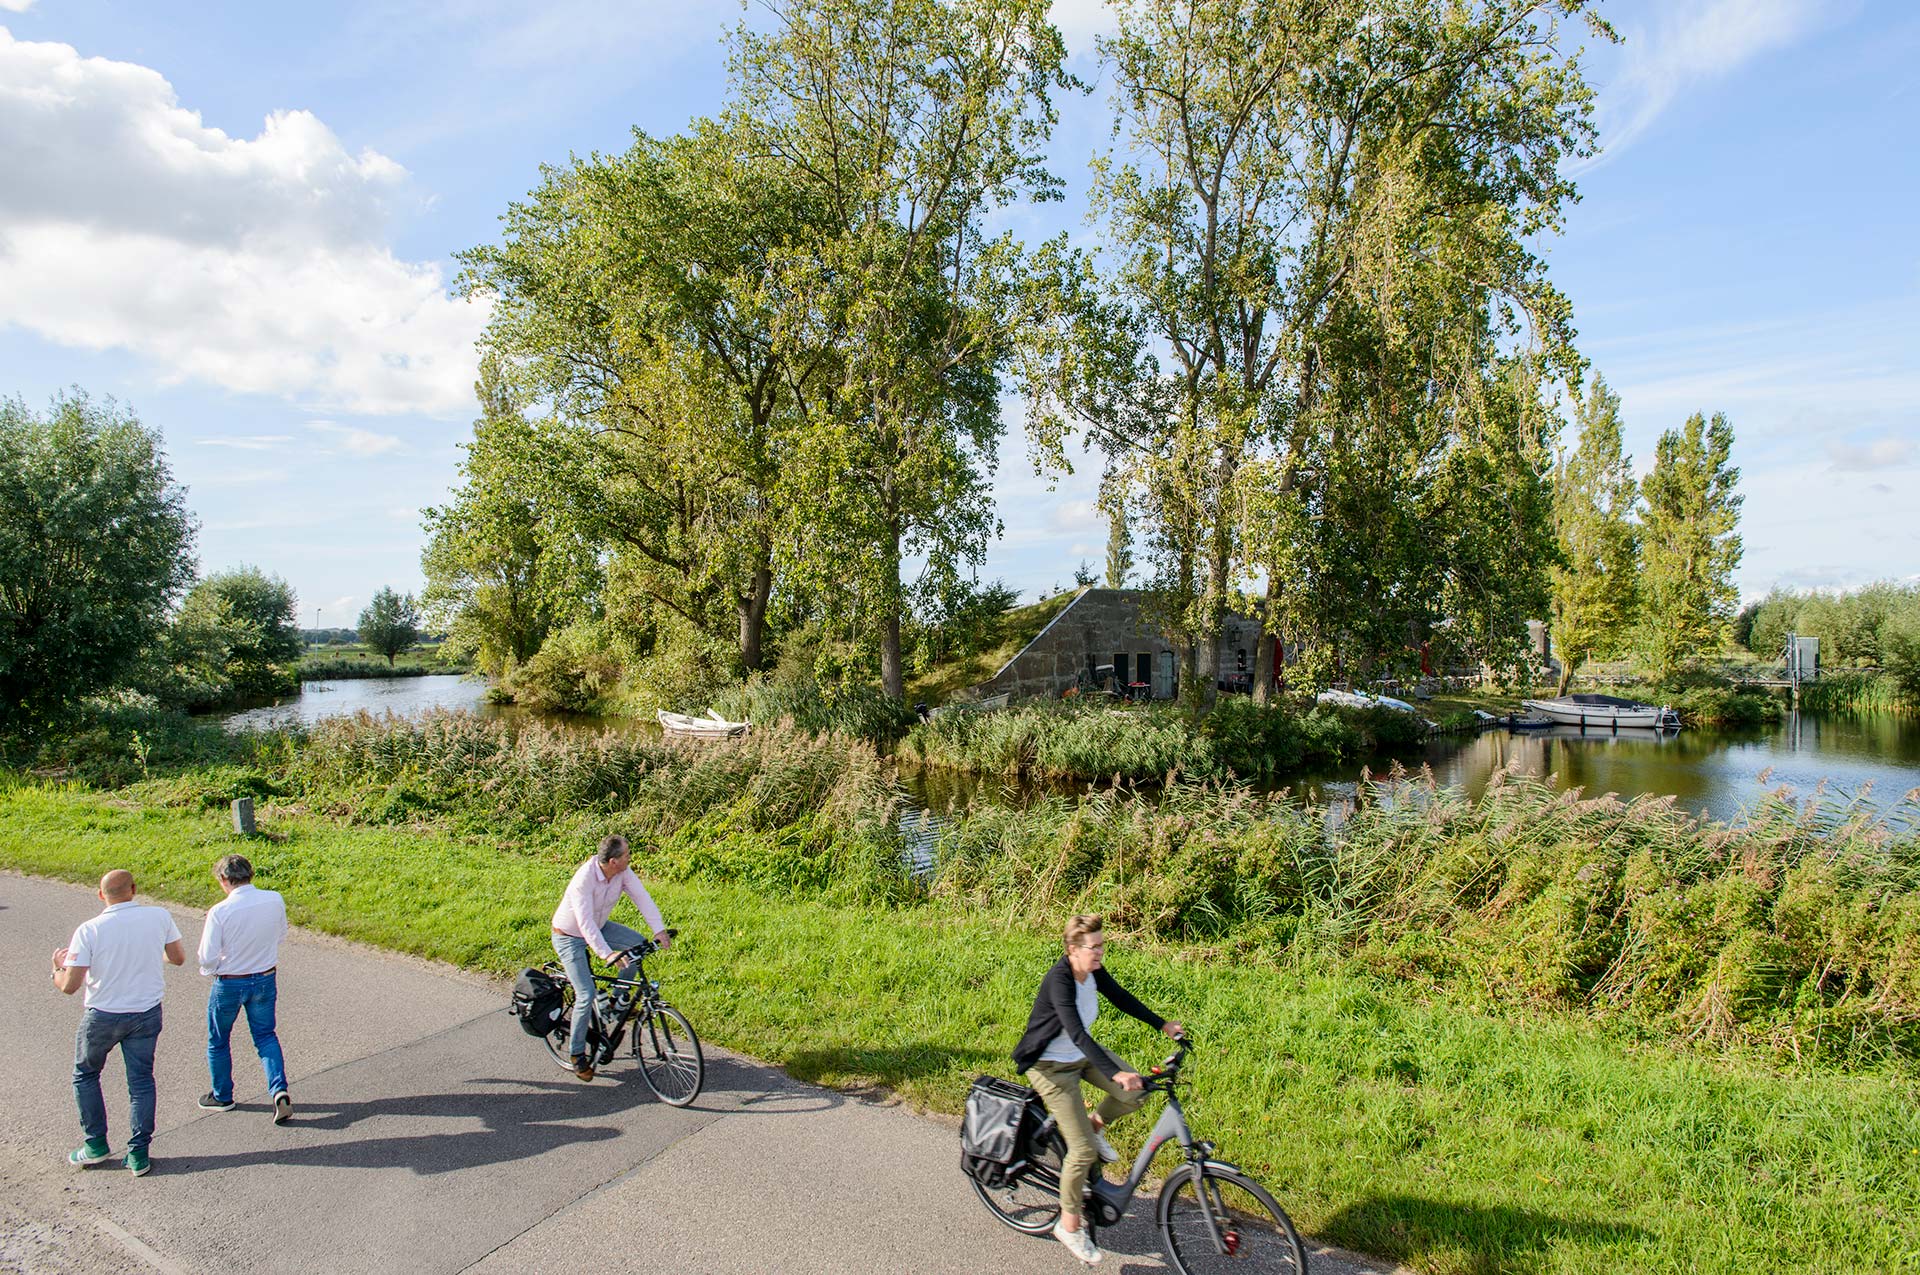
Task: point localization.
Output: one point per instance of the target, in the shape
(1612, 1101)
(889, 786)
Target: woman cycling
(1058, 1053)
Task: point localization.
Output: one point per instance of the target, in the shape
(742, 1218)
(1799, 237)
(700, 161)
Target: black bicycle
(662, 1038)
(1212, 1216)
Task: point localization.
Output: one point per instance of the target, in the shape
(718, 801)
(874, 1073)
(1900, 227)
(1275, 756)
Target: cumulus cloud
(257, 264)
(1694, 41)
(16, 6)
(1869, 457)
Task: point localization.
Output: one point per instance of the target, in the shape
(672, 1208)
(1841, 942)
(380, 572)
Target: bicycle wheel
(1222, 1220)
(669, 1055)
(1030, 1205)
(561, 1036)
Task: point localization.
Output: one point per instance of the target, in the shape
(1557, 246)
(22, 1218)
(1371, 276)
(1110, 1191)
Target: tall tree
(1691, 543)
(95, 544)
(390, 625)
(256, 619)
(505, 560)
(909, 121)
(1320, 234)
(1596, 583)
(638, 293)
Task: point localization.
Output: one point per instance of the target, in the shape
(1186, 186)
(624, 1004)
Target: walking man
(117, 956)
(580, 923)
(240, 949)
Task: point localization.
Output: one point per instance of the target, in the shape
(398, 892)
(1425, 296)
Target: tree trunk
(892, 683)
(1566, 674)
(1263, 654)
(753, 618)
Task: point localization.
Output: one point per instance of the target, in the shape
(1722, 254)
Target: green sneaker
(92, 1151)
(138, 1163)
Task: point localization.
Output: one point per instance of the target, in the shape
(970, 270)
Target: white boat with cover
(1605, 712)
(712, 726)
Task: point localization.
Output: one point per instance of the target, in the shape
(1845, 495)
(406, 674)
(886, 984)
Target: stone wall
(1105, 626)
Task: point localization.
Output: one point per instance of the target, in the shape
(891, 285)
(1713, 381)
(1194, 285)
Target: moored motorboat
(1605, 712)
(712, 726)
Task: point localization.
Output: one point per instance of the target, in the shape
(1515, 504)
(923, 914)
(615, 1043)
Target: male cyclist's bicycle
(1212, 1216)
(662, 1038)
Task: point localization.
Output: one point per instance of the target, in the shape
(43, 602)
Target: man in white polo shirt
(240, 950)
(117, 956)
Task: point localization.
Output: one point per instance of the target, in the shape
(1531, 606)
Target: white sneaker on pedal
(1077, 1244)
(1104, 1147)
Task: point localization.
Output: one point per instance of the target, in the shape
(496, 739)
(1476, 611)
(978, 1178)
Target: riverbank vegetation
(1521, 1032)
(355, 661)
(1869, 637)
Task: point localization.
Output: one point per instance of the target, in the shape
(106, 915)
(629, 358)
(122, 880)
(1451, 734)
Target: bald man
(117, 956)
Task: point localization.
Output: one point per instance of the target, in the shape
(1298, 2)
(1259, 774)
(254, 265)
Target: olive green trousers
(1058, 1085)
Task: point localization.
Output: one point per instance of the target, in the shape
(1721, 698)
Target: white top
(589, 901)
(243, 932)
(123, 948)
(1086, 998)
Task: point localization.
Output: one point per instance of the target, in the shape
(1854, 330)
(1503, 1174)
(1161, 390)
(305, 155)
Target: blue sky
(239, 219)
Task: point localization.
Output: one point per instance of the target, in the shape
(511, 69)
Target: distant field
(356, 661)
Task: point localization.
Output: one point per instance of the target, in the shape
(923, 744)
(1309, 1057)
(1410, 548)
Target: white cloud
(1870, 457)
(356, 441)
(254, 264)
(248, 442)
(1694, 41)
(16, 6)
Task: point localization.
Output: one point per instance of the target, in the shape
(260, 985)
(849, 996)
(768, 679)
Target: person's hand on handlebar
(1130, 1080)
(663, 938)
(1173, 1029)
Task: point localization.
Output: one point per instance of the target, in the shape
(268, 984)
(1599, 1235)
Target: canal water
(1870, 758)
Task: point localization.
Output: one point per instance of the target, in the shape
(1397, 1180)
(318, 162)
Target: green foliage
(1690, 544)
(572, 672)
(1596, 584)
(234, 638)
(95, 544)
(390, 624)
(1876, 625)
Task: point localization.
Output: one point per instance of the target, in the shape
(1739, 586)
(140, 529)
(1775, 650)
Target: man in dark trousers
(117, 956)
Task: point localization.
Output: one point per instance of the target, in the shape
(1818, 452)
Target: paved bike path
(431, 1135)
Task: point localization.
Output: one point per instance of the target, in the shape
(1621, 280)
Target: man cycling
(580, 923)
(1058, 1053)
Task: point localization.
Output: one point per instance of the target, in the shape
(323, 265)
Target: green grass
(1017, 627)
(354, 661)
(1386, 1115)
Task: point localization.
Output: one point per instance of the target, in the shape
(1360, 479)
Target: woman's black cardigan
(1057, 1010)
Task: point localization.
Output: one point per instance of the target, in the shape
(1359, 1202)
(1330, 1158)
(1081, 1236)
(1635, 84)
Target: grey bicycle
(662, 1039)
(1212, 1216)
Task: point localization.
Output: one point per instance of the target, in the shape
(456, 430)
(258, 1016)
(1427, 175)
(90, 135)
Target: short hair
(233, 869)
(1079, 927)
(612, 846)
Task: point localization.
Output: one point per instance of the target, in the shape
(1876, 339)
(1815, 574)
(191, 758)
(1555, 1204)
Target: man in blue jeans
(580, 927)
(117, 956)
(240, 950)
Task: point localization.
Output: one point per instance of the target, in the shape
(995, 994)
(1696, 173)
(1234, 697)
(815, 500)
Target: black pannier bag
(1000, 1120)
(538, 1003)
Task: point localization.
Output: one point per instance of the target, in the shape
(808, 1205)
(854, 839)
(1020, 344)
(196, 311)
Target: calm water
(402, 695)
(1873, 758)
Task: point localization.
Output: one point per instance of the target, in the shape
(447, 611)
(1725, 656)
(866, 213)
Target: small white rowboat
(1605, 712)
(712, 726)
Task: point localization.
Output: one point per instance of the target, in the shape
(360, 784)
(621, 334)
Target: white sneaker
(1077, 1244)
(1104, 1147)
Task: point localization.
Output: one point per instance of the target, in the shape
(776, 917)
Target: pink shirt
(589, 901)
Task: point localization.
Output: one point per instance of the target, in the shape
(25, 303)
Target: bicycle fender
(1163, 1207)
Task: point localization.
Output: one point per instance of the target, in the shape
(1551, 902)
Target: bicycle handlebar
(646, 947)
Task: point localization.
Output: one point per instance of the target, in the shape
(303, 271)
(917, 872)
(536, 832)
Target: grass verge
(1385, 1118)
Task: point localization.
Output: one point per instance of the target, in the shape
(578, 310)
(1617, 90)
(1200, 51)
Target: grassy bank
(351, 662)
(1387, 1119)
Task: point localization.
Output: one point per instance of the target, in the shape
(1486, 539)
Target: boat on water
(712, 726)
(1357, 699)
(1604, 712)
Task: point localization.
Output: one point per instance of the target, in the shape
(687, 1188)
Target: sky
(239, 220)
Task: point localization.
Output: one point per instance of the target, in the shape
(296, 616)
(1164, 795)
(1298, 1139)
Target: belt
(256, 974)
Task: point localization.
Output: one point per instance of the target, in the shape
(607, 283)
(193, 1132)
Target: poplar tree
(1596, 582)
(1691, 544)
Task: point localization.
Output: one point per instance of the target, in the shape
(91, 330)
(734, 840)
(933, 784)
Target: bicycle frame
(645, 1003)
(1111, 1200)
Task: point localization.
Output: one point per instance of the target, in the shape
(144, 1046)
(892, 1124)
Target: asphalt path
(430, 1135)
